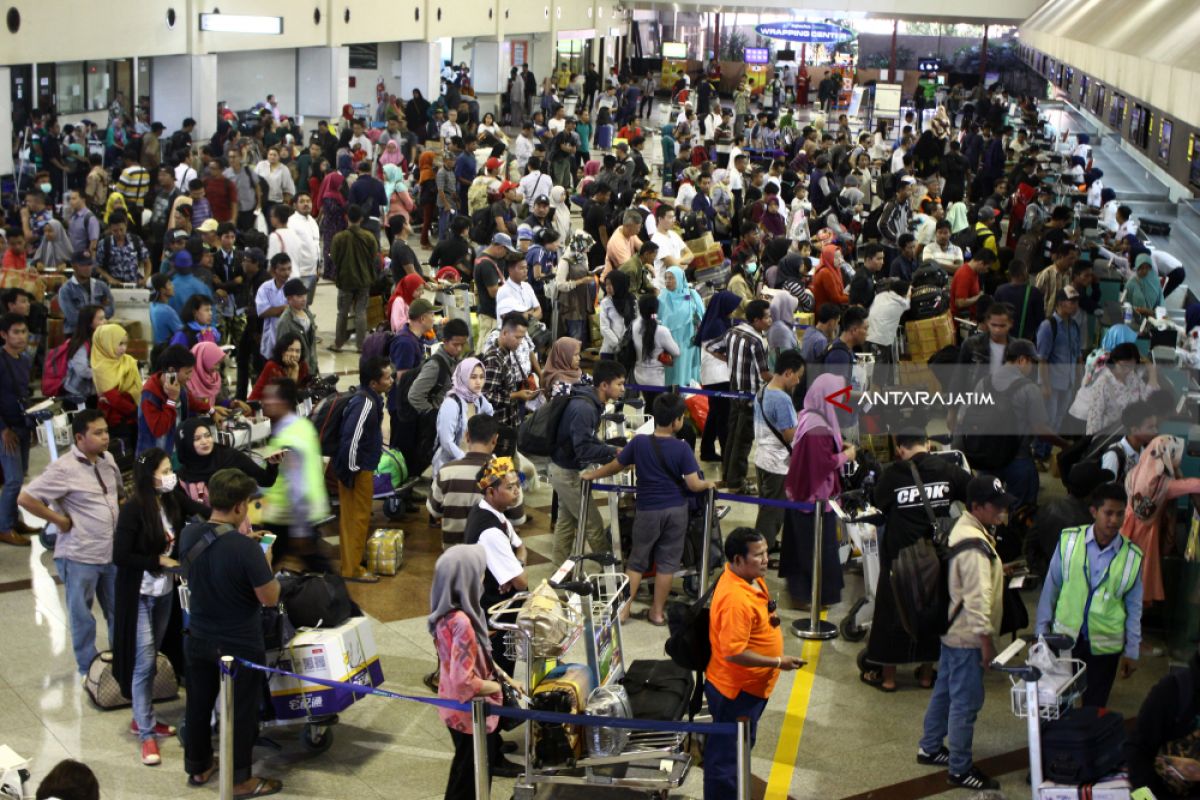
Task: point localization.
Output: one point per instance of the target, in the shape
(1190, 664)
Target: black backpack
(538, 434)
(920, 577)
(314, 600)
(483, 225)
(688, 644)
(327, 417)
(991, 450)
(415, 432)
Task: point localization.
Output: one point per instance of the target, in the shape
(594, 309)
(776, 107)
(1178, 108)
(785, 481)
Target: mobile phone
(171, 378)
(266, 541)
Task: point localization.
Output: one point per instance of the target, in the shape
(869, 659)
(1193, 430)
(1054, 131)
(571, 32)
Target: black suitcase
(1083, 745)
(658, 689)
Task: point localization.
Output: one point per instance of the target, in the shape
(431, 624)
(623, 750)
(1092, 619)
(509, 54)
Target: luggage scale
(1034, 706)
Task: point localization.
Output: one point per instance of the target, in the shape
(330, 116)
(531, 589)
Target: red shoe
(150, 756)
(160, 728)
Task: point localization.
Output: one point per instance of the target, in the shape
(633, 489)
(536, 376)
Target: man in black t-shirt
(488, 277)
(404, 260)
(229, 580)
(596, 222)
(455, 250)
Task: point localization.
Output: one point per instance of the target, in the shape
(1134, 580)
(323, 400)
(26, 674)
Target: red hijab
(331, 187)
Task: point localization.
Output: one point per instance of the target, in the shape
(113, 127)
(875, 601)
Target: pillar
(892, 61)
(322, 81)
(185, 86)
(421, 68)
(6, 131)
(489, 70)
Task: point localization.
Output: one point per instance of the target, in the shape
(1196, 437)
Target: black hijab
(193, 467)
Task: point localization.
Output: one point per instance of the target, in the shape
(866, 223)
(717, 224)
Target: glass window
(69, 98)
(1164, 140)
(99, 85)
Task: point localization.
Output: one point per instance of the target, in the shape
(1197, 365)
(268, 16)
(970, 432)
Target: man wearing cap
(355, 252)
(82, 290)
(186, 272)
(208, 233)
(539, 213)
(503, 211)
(1060, 350)
(488, 276)
(976, 583)
(1093, 593)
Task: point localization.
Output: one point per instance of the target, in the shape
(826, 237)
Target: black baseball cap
(989, 489)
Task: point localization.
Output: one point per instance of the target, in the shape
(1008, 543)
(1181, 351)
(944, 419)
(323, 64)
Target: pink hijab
(817, 416)
(391, 154)
(205, 382)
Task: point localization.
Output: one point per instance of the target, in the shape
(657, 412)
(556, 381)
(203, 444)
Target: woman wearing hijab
(956, 215)
(791, 278)
(400, 202)
(782, 333)
(116, 202)
(464, 400)
(146, 618)
(204, 387)
(562, 213)
(55, 249)
(180, 218)
(714, 369)
(1152, 484)
(118, 382)
(773, 222)
(416, 110)
(332, 220)
(680, 310)
(818, 456)
(201, 456)
(407, 290)
(562, 367)
(465, 666)
(828, 284)
(1143, 291)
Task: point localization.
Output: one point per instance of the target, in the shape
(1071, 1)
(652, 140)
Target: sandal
(922, 682)
(662, 623)
(264, 787)
(363, 577)
(876, 681)
(202, 778)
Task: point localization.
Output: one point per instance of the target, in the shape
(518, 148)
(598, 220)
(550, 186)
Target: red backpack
(55, 373)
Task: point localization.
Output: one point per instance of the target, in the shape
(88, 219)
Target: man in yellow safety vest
(1093, 593)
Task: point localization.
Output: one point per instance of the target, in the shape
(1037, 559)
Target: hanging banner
(806, 32)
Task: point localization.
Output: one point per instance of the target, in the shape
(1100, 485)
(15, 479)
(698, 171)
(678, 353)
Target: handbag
(666, 359)
(512, 699)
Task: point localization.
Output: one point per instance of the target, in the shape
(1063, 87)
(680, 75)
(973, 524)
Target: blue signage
(824, 33)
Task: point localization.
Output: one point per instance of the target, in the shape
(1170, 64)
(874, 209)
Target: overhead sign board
(825, 33)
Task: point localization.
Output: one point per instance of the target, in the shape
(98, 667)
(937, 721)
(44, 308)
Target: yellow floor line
(783, 765)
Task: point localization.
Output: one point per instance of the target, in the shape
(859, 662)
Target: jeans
(445, 217)
(720, 750)
(957, 698)
(15, 466)
(577, 329)
(311, 283)
(86, 582)
(1056, 408)
(203, 687)
(351, 300)
(153, 615)
(736, 454)
(567, 487)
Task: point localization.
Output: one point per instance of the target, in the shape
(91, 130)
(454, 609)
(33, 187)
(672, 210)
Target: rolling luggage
(102, 687)
(608, 701)
(1083, 745)
(658, 689)
(385, 551)
(565, 689)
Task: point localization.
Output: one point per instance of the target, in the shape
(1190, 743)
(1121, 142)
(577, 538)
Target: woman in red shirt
(285, 362)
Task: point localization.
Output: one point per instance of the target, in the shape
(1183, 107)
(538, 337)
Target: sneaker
(973, 779)
(939, 759)
(150, 756)
(160, 729)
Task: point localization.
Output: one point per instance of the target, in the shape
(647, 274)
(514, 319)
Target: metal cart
(1034, 706)
(860, 520)
(651, 761)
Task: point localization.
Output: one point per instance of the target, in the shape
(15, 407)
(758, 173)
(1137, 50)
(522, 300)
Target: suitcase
(658, 689)
(565, 689)
(385, 551)
(608, 701)
(1083, 745)
(105, 692)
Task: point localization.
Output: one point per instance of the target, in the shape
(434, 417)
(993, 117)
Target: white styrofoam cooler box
(1113, 787)
(346, 654)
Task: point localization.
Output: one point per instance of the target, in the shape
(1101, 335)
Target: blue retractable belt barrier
(637, 387)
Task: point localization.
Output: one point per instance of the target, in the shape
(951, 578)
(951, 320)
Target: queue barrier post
(743, 758)
(225, 743)
(479, 745)
(814, 627)
(710, 509)
(585, 503)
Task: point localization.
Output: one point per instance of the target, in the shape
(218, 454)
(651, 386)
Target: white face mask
(166, 483)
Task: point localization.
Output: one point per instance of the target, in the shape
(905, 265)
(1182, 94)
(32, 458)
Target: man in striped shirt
(133, 183)
(456, 486)
(748, 371)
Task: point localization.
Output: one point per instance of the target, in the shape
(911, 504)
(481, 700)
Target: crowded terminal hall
(609, 402)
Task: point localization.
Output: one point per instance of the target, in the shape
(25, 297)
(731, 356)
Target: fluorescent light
(241, 23)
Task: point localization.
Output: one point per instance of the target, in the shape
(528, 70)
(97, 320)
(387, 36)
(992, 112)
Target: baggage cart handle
(575, 587)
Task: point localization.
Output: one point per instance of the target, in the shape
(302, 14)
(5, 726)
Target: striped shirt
(133, 183)
(747, 358)
(456, 492)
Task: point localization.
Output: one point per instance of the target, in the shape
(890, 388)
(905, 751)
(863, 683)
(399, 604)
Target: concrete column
(6, 131)
(420, 68)
(322, 81)
(185, 86)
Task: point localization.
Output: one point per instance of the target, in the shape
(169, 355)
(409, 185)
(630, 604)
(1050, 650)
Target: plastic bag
(544, 620)
(697, 406)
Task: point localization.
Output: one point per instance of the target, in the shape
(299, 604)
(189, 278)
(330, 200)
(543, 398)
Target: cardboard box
(139, 349)
(345, 654)
(374, 314)
(701, 245)
(1112, 787)
(930, 334)
(712, 257)
(133, 327)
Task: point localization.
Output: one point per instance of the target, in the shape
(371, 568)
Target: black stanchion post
(814, 627)
(710, 516)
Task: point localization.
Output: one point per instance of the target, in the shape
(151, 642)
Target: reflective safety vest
(1106, 610)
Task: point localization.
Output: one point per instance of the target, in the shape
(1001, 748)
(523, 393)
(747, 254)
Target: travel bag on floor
(608, 701)
(102, 686)
(565, 689)
(385, 551)
(658, 689)
(1083, 745)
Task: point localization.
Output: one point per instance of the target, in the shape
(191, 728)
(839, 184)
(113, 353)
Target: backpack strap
(916, 475)
(962, 547)
(778, 435)
(206, 541)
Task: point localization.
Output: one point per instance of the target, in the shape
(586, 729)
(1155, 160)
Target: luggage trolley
(1037, 701)
(650, 761)
(860, 520)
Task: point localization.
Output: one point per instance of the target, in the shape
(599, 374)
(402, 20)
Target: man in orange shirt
(747, 654)
(828, 286)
